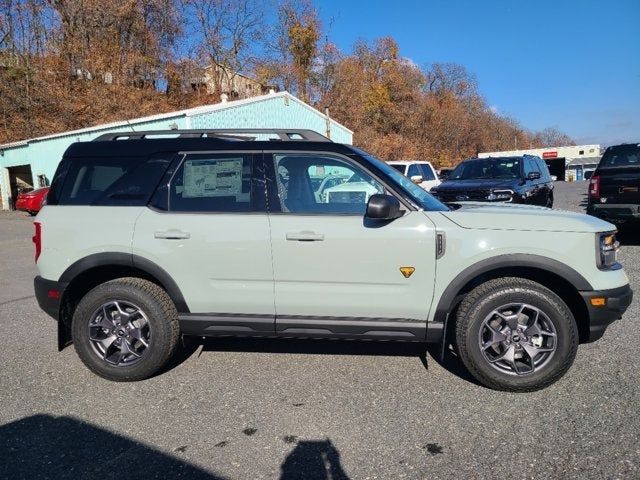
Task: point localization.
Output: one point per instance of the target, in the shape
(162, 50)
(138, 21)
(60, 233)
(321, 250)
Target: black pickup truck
(614, 188)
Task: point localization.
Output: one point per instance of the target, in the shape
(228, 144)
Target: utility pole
(328, 120)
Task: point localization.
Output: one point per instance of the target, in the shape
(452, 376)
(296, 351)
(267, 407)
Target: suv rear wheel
(515, 334)
(125, 329)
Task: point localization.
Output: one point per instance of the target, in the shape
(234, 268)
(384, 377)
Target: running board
(242, 325)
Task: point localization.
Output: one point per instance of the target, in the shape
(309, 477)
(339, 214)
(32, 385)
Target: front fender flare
(515, 260)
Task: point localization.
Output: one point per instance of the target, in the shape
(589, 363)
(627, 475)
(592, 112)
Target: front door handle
(305, 237)
(172, 235)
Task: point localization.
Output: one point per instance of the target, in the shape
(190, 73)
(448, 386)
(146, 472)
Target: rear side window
(399, 167)
(213, 183)
(109, 181)
(621, 156)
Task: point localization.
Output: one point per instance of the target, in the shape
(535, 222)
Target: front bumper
(600, 317)
(620, 212)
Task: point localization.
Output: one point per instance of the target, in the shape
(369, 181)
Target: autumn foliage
(68, 64)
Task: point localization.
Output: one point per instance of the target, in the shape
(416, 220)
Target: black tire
(550, 201)
(478, 305)
(163, 328)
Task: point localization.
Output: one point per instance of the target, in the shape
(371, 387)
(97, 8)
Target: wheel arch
(563, 280)
(93, 270)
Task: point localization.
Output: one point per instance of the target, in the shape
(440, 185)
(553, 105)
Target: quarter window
(113, 181)
(317, 184)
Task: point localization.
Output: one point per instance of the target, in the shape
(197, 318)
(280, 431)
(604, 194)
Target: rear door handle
(172, 235)
(305, 237)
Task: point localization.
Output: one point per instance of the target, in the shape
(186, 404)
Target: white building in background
(32, 162)
(566, 163)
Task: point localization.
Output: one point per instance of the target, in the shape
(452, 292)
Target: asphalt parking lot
(248, 409)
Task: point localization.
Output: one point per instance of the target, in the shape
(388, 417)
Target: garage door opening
(20, 180)
(557, 167)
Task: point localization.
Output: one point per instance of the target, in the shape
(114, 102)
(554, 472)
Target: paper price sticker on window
(212, 178)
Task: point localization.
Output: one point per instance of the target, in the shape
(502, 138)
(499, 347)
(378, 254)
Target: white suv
(209, 234)
(419, 171)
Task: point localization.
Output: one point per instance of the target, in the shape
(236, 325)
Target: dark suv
(614, 188)
(523, 179)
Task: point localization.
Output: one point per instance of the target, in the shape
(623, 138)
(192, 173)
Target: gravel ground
(301, 409)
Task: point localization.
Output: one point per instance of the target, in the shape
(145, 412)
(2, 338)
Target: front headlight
(607, 250)
(500, 196)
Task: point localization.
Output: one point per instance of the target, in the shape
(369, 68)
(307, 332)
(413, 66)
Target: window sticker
(212, 178)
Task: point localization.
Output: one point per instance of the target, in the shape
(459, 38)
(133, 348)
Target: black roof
(132, 144)
(133, 148)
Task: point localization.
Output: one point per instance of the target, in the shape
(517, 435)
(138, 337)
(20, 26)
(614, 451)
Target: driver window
(528, 167)
(317, 184)
(413, 171)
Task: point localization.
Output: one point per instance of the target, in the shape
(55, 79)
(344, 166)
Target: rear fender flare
(128, 260)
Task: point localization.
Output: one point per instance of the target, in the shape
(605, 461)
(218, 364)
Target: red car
(32, 201)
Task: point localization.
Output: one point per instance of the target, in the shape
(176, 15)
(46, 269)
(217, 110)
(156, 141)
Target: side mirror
(417, 179)
(383, 207)
(533, 176)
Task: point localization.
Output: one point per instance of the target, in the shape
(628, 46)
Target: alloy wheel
(517, 339)
(119, 333)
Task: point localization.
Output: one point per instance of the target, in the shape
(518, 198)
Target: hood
(507, 216)
(476, 184)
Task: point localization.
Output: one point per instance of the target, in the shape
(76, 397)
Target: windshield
(423, 198)
(487, 168)
(621, 156)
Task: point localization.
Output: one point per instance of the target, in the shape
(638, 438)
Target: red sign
(549, 154)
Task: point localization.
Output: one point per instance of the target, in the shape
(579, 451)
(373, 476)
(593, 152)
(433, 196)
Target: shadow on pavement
(313, 460)
(309, 346)
(584, 202)
(49, 447)
(44, 446)
(417, 350)
(451, 363)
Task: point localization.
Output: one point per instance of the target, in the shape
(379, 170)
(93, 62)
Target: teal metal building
(33, 162)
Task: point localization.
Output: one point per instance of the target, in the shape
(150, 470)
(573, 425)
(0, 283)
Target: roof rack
(238, 134)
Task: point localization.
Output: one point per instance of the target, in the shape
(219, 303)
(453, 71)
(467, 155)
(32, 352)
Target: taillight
(37, 239)
(594, 187)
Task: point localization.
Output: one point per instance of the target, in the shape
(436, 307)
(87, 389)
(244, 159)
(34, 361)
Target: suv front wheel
(514, 334)
(125, 329)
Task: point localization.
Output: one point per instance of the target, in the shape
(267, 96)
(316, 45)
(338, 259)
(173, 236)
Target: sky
(571, 64)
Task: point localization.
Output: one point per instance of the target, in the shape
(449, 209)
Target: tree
(451, 78)
(227, 33)
(552, 137)
(293, 48)
(68, 64)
